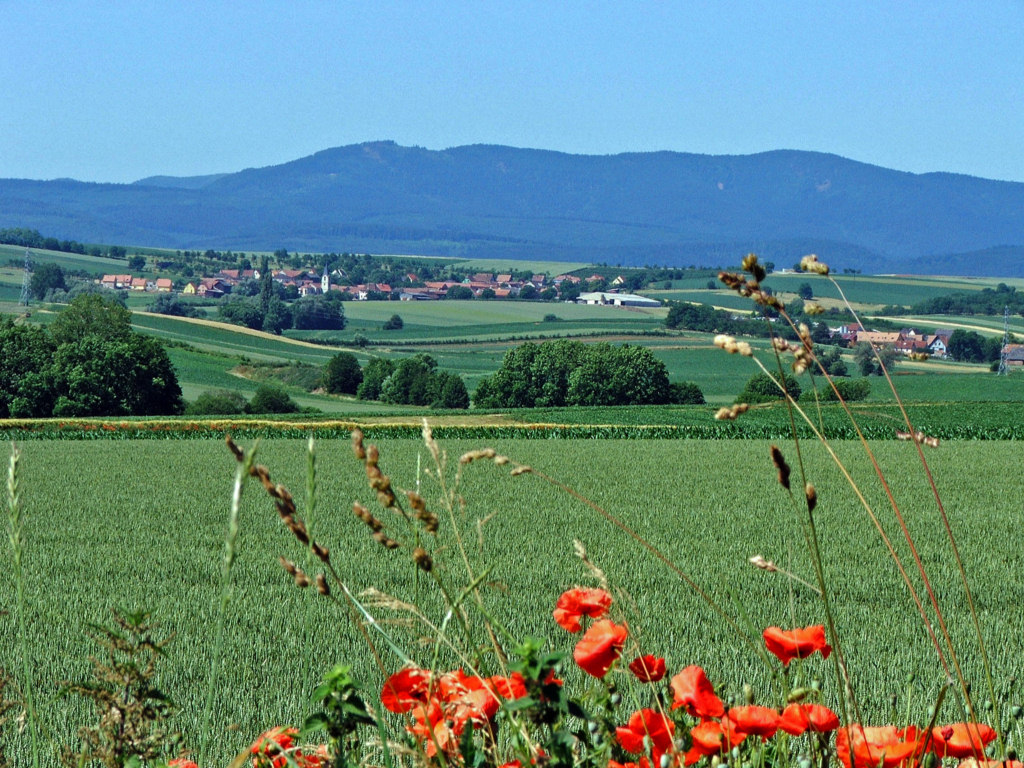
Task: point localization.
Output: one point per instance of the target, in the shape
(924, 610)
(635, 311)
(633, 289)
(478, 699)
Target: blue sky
(117, 91)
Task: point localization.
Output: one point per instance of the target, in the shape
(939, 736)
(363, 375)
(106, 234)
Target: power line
(1003, 371)
(26, 293)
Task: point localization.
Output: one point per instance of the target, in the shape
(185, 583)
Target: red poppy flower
(972, 762)
(650, 725)
(430, 726)
(798, 718)
(693, 690)
(182, 762)
(405, 689)
(269, 747)
(648, 669)
(511, 687)
(574, 604)
(962, 740)
(712, 737)
(644, 763)
(755, 721)
(600, 646)
(876, 747)
(796, 643)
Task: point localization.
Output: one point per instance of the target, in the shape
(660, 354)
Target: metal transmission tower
(1006, 340)
(26, 294)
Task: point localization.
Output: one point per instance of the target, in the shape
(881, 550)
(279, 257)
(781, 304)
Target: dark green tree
(685, 393)
(451, 391)
(26, 376)
(278, 317)
(412, 383)
(375, 374)
(91, 314)
(46, 277)
(805, 291)
(318, 313)
(241, 312)
(966, 346)
(342, 374)
(127, 376)
(393, 323)
(459, 292)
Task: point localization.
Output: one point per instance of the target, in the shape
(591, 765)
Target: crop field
(142, 525)
(96, 265)
(432, 321)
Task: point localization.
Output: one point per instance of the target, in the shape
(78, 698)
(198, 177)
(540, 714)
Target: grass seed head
(321, 585)
(288, 565)
(812, 497)
(753, 266)
(810, 263)
(357, 444)
(321, 552)
(301, 579)
(780, 464)
(423, 559)
(382, 538)
(765, 565)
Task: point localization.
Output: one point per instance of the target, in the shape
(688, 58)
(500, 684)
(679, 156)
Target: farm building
(617, 299)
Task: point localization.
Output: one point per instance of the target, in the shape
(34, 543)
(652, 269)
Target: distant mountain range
(658, 208)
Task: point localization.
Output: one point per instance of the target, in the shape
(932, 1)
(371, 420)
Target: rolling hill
(500, 202)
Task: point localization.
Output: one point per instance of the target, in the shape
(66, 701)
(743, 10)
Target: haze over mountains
(663, 208)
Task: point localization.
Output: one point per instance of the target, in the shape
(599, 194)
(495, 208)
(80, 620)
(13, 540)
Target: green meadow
(142, 523)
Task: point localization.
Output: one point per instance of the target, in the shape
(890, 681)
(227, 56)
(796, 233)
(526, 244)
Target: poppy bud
(1016, 712)
(748, 693)
(593, 727)
(616, 699)
(798, 694)
(929, 760)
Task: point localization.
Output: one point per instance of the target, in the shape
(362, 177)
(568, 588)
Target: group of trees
(564, 372)
(30, 238)
(87, 362)
(413, 381)
(987, 301)
(268, 312)
(972, 347)
(269, 397)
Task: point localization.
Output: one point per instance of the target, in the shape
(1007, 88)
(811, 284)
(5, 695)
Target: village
(483, 285)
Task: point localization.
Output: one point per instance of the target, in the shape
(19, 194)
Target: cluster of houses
(129, 283)
(906, 341)
(501, 286)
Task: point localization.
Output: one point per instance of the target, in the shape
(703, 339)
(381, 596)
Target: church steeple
(325, 281)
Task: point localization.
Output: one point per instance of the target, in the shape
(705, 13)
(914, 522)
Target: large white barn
(617, 299)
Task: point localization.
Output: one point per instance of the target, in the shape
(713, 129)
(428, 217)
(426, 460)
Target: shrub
(761, 389)
(271, 398)
(685, 393)
(217, 403)
(393, 323)
(849, 389)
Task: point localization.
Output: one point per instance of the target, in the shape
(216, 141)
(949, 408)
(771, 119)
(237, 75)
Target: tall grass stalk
(14, 529)
(226, 591)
